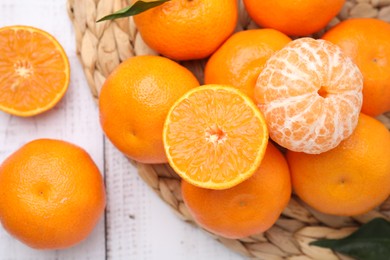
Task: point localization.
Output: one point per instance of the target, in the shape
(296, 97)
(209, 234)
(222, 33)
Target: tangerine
(34, 71)
(239, 61)
(352, 178)
(366, 42)
(134, 101)
(310, 94)
(292, 17)
(248, 208)
(51, 194)
(188, 29)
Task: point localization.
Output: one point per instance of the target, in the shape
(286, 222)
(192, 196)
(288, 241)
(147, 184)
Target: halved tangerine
(215, 137)
(34, 70)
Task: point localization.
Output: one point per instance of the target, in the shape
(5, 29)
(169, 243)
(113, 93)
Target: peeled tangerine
(311, 95)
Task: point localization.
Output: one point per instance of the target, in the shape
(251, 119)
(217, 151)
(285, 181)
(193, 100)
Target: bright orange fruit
(310, 94)
(292, 17)
(215, 137)
(34, 71)
(239, 61)
(51, 194)
(186, 30)
(134, 101)
(248, 208)
(350, 179)
(367, 42)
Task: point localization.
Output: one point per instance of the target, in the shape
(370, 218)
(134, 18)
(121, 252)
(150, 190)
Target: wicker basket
(102, 46)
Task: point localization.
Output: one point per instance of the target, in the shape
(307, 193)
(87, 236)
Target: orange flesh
(34, 71)
(311, 95)
(215, 137)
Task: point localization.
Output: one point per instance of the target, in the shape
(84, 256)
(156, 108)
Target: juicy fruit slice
(34, 71)
(215, 137)
(311, 96)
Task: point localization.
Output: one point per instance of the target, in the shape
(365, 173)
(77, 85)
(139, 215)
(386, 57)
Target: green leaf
(137, 8)
(370, 242)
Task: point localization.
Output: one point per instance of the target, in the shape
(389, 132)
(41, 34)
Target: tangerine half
(215, 137)
(34, 71)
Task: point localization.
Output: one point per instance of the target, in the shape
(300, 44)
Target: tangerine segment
(311, 95)
(215, 137)
(34, 70)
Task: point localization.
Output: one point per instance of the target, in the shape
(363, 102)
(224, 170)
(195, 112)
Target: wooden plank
(74, 119)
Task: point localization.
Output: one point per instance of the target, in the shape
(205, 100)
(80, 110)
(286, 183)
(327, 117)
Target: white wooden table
(136, 224)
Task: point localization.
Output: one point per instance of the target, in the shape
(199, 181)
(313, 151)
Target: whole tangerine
(51, 194)
(240, 59)
(292, 17)
(134, 101)
(367, 42)
(34, 71)
(352, 178)
(188, 29)
(248, 208)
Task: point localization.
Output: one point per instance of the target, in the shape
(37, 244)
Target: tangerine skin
(187, 30)
(293, 17)
(352, 178)
(367, 42)
(52, 194)
(248, 208)
(134, 102)
(240, 59)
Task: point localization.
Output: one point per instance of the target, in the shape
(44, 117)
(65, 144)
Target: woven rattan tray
(102, 46)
